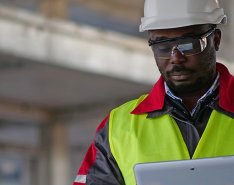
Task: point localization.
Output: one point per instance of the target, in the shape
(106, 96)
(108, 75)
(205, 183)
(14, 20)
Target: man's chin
(183, 87)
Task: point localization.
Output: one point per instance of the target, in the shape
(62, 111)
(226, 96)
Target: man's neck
(190, 99)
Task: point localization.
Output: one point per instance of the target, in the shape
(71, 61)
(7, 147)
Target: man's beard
(187, 88)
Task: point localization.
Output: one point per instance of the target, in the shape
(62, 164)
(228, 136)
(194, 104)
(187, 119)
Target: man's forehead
(177, 32)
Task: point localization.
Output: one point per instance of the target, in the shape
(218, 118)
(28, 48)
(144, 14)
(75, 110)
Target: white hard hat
(162, 14)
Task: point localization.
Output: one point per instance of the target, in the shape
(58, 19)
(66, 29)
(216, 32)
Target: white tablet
(207, 171)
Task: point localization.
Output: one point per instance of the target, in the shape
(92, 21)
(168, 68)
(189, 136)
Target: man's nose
(177, 56)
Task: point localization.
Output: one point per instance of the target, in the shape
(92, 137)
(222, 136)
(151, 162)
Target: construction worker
(190, 111)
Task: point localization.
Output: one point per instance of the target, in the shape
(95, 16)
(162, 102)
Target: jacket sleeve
(99, 166)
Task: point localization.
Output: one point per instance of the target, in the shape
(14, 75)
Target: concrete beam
(78, 47)
(74, 46)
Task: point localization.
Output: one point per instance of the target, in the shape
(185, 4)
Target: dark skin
(189, 77)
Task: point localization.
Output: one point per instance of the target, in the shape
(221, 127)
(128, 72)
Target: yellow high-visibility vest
(137, 139)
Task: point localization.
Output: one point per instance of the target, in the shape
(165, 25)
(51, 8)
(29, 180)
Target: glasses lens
(163, 50)
(188, 46)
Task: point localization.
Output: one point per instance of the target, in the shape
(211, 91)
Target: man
(190, 111)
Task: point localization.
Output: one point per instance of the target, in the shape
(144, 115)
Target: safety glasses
(188, 46)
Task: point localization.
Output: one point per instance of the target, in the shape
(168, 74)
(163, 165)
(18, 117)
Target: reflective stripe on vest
(136, 139)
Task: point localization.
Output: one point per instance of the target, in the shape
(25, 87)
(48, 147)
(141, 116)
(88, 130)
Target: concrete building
(64, 66)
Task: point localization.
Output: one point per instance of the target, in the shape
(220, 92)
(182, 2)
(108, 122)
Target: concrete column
(59, 155)
(54, 8)
(227, 42)
(44, 176)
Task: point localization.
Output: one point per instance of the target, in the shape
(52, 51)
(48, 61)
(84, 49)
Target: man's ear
(217, 39)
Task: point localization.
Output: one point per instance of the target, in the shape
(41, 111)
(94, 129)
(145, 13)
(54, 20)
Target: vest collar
(155, 100)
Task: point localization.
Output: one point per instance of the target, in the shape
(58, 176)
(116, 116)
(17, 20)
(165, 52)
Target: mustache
(177, 69)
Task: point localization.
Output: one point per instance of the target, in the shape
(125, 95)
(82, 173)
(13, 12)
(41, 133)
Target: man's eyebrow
(184, 35)
(159, 38)
(189, 34)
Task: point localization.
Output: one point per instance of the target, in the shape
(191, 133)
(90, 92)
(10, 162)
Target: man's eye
(164, 48)
(185, 47)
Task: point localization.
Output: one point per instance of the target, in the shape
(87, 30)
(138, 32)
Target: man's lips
(180, 76)
(179, 73)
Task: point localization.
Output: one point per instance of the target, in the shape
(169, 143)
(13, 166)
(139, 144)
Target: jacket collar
(226, 89)
(155, 100)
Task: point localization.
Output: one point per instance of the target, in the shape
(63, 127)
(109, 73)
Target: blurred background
(64, 65)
